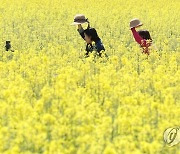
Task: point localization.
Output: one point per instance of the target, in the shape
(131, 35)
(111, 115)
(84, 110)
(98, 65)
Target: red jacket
(144, 43)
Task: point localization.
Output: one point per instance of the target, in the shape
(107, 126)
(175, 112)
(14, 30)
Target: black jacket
(98, 46)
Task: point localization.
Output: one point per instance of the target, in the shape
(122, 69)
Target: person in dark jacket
(90, 35)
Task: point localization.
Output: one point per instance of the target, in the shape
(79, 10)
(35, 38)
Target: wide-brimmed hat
(135, 23)
(79, 19)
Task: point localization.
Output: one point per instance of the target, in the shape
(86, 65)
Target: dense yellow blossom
(54, 101)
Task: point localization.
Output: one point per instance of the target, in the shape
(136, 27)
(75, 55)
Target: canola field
(55, 101)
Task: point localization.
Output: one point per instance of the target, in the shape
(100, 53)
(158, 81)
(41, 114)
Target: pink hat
(135, 23)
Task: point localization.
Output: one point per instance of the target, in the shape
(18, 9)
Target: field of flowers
(54, 101)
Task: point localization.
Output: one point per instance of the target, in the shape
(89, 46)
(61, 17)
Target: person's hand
(87, 20)
(79, 26)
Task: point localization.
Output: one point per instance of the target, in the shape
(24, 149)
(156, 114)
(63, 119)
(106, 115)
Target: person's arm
(137, 37)
(81, 31)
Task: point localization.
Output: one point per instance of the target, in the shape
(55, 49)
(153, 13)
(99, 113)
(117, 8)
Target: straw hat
(135, 23)
(79, 19)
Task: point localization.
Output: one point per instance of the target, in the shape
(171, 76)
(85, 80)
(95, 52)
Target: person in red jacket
(142, 37)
